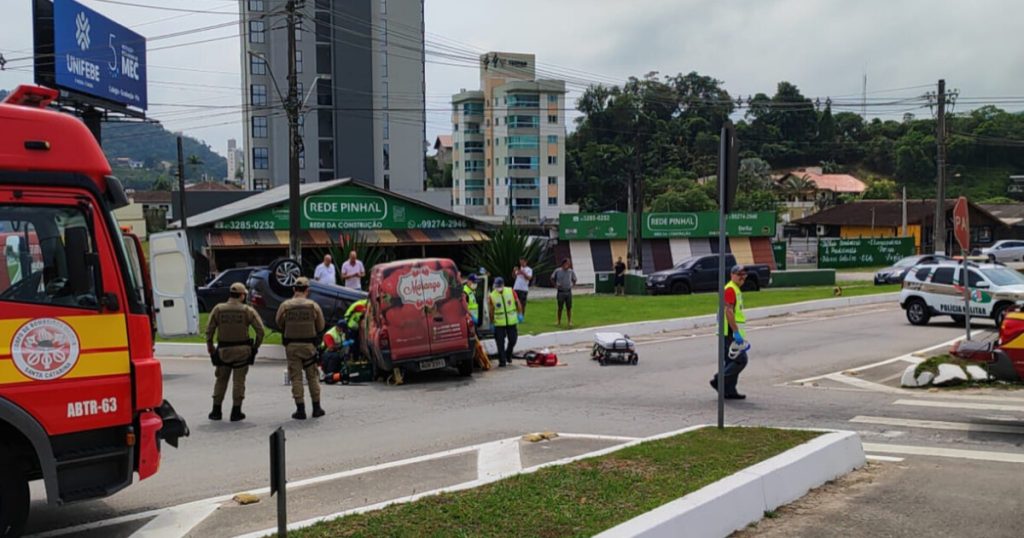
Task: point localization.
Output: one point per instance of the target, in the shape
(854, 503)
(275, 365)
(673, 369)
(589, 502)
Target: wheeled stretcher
(614, 347)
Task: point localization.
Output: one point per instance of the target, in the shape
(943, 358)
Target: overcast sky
(823, 46)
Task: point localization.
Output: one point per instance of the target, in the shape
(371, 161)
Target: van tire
(14, 496)
(466, 368)
(917, 312)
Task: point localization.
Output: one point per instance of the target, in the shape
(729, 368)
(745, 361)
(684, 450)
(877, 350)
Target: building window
(519, 100)
(473, 109)
(387, 182)
(387, 156)
(456, 183)
(257, 65)
(324, 95)
(256, 32)
(383, 7)
(455, 127)
(326, 154)
(298, 61)
(552, 139)
(521, 163)
(472, 128)
(298, 32)
(455, 146)
(552, 118)
(522, 142)
(302, 159)
(300, 90)
(384, 92)
(323, 59)
(552, 201)
(474, 166)
(325, 123)
(260, 158)
(476, 184)
(521, 122)
(255, 5)
(387, 126)
(552, 159)
(552, 98)
(258, 95)
(474, 146)
(488, 142)
(383, 63)
(552, 180)
(259, 126)
(323, 26)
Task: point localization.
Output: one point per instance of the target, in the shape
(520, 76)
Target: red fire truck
(81, 396)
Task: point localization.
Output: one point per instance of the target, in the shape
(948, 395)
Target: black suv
(700, 273)
(216, 291)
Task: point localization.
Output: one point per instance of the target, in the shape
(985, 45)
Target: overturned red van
(416, 319)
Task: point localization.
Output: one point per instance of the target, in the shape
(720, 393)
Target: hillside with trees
(666, 130)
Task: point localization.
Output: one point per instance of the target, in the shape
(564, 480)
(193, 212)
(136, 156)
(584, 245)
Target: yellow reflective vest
(506, 313)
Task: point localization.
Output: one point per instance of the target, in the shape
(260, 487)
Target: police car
(937, 290)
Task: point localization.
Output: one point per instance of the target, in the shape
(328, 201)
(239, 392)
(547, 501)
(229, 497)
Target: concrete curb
(579, 336)
(734, 502)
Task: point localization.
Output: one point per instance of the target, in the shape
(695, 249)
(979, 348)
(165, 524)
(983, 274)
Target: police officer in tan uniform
(301, 322)
(235, 351)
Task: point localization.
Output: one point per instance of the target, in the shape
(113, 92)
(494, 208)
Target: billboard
(705, 224)
(877, 252)
(95, 56)
(586, 226)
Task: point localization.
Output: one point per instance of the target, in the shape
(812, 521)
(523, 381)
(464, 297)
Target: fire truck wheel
(14, 498)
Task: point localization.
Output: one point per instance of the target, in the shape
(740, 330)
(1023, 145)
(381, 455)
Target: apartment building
(508, 143)
(236, 159)
(361, 75)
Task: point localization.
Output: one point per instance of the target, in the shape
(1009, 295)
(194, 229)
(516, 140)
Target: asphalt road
(668, 390)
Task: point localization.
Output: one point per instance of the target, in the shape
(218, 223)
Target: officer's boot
(215, 413)
(317, 410)
(300, 411)
(237, 414)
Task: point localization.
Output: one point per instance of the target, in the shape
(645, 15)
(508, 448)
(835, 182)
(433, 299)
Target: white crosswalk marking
(961, 405)
(939, 425)
(982, 455)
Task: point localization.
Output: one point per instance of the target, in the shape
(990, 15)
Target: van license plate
(432, 364)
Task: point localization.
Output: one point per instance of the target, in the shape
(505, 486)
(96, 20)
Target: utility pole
(295, 141)
(940, 161)
(904, 234)
(181, 189)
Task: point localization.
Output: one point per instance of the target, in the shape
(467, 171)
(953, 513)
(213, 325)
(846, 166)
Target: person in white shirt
(352, 272)
(327, 272)
(524, 275)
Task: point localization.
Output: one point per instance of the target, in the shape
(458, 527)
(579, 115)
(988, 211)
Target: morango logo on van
(422, 287)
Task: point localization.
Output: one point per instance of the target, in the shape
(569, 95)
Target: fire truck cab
(81, 397)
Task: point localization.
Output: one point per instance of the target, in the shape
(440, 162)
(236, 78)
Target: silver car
(1006, 250)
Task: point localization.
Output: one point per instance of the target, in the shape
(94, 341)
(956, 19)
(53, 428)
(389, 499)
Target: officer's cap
(471, 277)
(341, 323)
(238, 288)
(301, 282)
(739, 270)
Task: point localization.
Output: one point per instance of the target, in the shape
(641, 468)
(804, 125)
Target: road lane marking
(864, 384)
(939, 425)
(960, 405)
(981, 455)
(888, 459)
(177, 521)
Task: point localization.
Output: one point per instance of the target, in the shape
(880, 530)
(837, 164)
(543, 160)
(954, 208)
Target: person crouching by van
(506, 313)
(334, 345)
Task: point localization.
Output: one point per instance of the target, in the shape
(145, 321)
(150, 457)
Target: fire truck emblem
(45, 349)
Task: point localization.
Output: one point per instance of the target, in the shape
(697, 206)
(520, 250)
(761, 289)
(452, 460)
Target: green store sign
(705, 224)
(592, 226)
(845, 253)
(347, 207)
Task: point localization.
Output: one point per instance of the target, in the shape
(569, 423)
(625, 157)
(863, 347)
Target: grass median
(577, 499)
(599, 310)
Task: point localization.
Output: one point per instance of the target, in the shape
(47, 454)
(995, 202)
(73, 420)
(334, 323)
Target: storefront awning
(224, 239)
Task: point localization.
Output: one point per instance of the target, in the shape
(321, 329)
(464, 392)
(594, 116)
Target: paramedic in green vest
(333, 349)
(469, 293)
(353, 318)
(506, 313)
(734, 319)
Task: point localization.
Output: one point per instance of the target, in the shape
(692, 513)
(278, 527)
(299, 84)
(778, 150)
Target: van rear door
(446, 318)
(174, 292)
(403, 312)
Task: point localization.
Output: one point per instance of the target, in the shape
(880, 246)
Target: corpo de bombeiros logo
(45, 349)
(82, 30)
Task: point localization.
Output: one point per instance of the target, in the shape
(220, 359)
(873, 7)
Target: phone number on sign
(246, 225)
(434, 224)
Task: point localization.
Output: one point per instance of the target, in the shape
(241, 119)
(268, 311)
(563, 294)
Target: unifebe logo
(82, 30)
(45, 349)
(422, 287)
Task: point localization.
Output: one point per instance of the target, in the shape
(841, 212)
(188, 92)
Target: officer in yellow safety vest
(506, 313)
(353, 317)
(469, 292)
(735, 362)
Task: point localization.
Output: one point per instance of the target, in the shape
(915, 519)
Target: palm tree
(795, 188)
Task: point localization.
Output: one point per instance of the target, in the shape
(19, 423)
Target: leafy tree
(881, 189)
(796, 188)
(499, 255)
(914, 161)
(998, 200)
(163, 183)
(693, 199)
